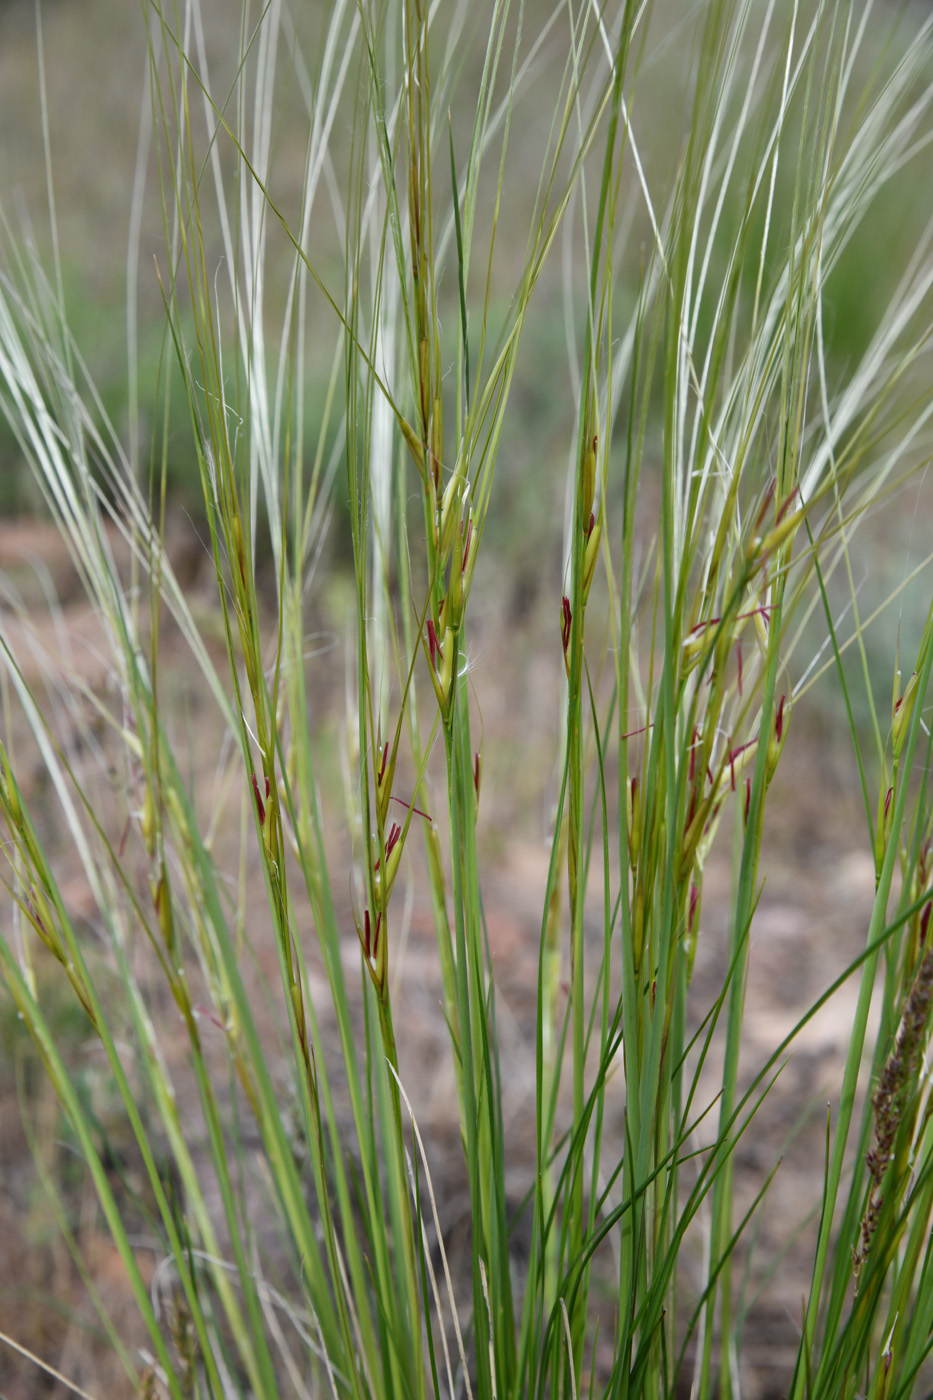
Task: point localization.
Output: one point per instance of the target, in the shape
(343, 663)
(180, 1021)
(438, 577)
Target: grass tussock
(361, 220)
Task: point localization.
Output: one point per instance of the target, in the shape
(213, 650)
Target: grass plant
(720, 460)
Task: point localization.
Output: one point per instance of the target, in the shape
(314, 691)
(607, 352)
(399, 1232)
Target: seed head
(883, 828)
(900, 718)
(441, 657)
(776, 737)
(591, 554)
(373, 944)
(589, 480)
(260, 804)
(925, 921)
(896, 1084)
(450, 512)
(384, 780)
(385, 870)
(633, 820)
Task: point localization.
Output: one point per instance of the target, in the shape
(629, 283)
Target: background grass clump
(533, 383)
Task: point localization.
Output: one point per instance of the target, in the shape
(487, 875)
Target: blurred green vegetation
(94, 154)
(94, 146)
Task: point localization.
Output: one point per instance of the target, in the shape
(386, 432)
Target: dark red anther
(36, 917)
(694, 744)
(466, 543)
(566, 619)
(260, 805)
(211, 1016)
(748, 798)
(779, 719)
(768, 496)
(786, 506)
(394, 833)
(925, 921)
(434, 644)
(763, 610)
(694, 900)
(733, 755)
